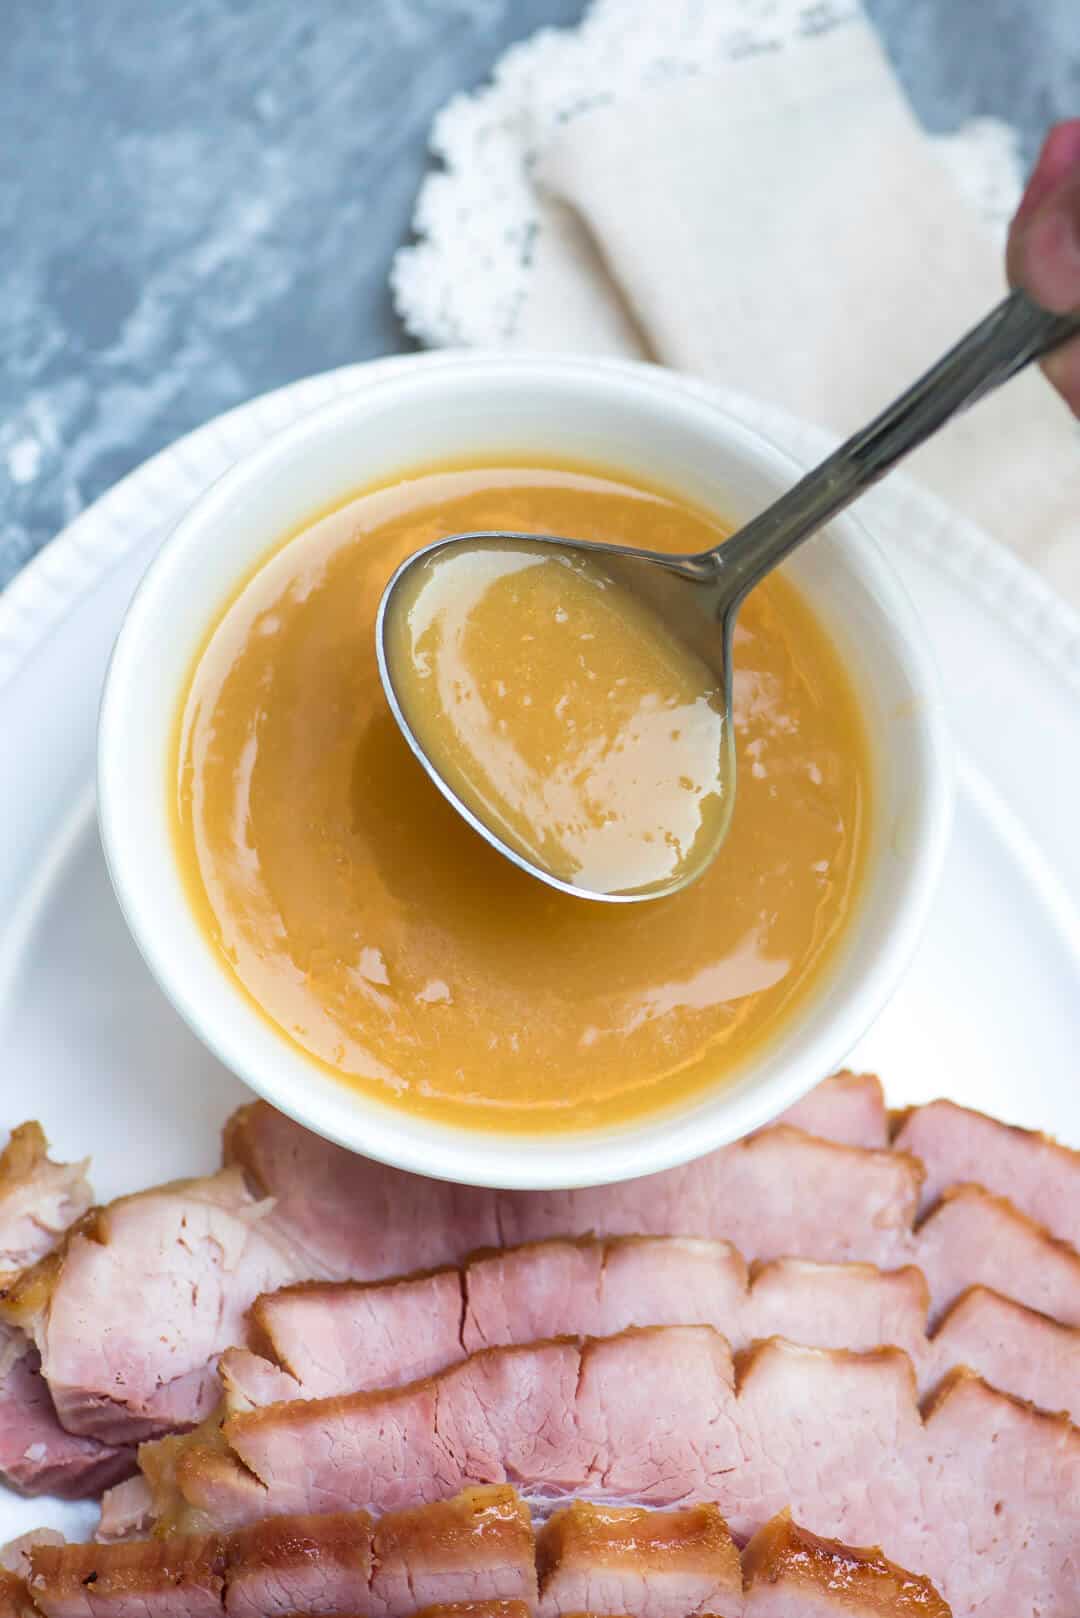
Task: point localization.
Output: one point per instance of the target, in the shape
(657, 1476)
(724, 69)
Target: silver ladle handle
(1010, 337)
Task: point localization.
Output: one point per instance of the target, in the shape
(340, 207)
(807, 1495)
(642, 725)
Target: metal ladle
(698, 596)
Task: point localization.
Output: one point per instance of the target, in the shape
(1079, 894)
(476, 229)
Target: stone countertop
(200, 199)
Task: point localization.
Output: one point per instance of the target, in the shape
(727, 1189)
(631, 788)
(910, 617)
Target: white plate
(989, 1013)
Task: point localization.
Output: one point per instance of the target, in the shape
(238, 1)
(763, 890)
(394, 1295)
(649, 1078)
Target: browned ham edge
(655, 1418)
(38, 1200)
(653, 1563)
(474, 1556)
(476, 1609)
(787, 1571)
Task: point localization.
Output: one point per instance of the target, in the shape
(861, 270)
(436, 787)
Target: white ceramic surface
(614, 415)
(989, 1012)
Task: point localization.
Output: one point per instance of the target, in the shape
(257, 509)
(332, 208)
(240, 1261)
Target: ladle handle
(1010, 337)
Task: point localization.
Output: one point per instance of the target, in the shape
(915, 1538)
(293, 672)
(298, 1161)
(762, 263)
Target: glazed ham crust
(653, 1563)
(788, 1570)
(455, 1557)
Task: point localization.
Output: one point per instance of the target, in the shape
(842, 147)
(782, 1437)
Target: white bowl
(624, 416)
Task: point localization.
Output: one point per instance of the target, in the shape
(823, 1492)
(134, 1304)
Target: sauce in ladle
(561, 712)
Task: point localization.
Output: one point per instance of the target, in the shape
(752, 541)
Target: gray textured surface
(199, 199)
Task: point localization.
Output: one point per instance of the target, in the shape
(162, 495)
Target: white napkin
(778, 223)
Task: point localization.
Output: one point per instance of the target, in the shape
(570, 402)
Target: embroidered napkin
(770, 216)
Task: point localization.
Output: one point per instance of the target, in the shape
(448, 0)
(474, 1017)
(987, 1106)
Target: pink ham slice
(982, 1496)
(779, 1192)
(36, 1455)
(1041, 1177)
(333, 1339)
(38, 1200)
(974, 1238)
(179, 1266)
(182, 1264)
(848, 1108)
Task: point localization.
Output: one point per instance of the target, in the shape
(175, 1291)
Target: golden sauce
(561, 710)
(391, 942)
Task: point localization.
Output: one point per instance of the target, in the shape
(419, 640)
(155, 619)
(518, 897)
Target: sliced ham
(36, 1455)
(1017, 1349)
(790, 1573)
(290, 1565)
(956, 1145)
(476, 1609)
(168, 1578)
(355, 1337)
(654, 1564)
(670, 1564)
(974, 1238)
(14, 1601)
(179, 1266)
(182, 1264)
(477, 1547)
(984, 1496)
(848, 1108)
(780, 1192)
(38, 1200)
(456, 1557)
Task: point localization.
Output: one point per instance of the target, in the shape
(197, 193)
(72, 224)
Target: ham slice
(789, 1573)
(169, 1578)
(476, 1547)
(182, 1264)
(179, 1266)
(14, 1601)
(38, 1200)
(453, 1558)
(780, 1192)
(476, 1609)
(848, 1108)
(656, 1564)
(333, 1339)
(1041, 1177)
(983, 1495)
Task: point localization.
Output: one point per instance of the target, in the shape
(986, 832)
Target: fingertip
(1063, 371)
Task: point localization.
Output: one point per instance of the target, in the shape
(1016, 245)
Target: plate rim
(35, 603)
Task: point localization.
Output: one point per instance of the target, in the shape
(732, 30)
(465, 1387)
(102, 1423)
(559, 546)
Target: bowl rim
(388, 1133)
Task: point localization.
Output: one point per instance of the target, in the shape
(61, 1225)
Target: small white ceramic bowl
(623, 416)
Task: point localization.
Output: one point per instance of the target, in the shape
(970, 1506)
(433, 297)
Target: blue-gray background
(199, 199)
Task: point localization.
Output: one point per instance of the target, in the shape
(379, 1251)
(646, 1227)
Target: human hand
(1043, 254)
